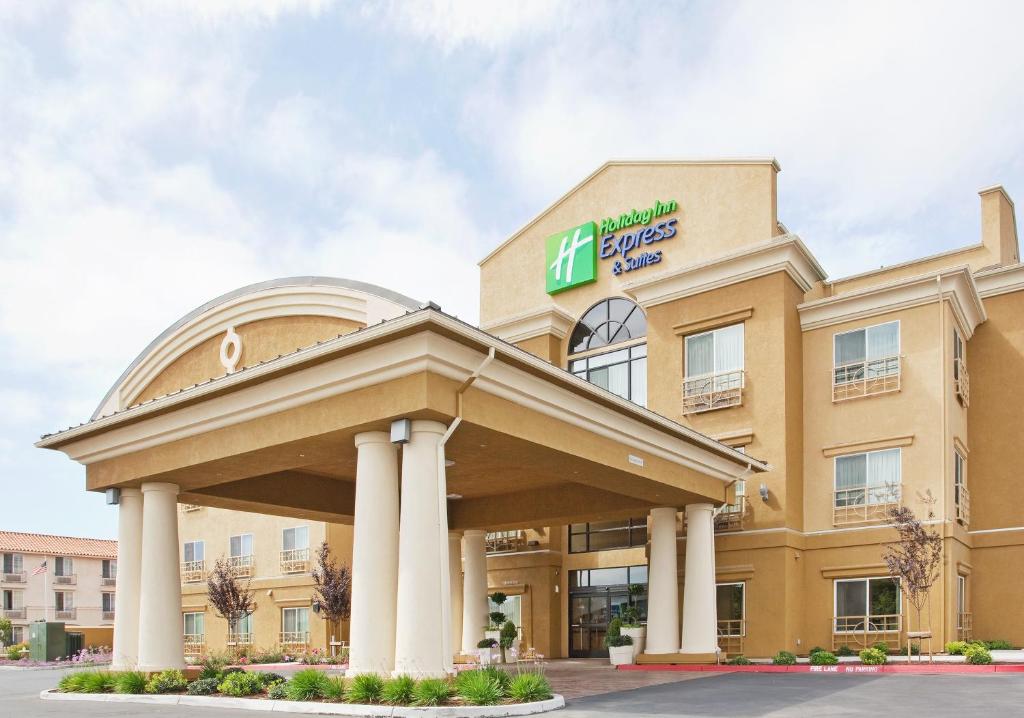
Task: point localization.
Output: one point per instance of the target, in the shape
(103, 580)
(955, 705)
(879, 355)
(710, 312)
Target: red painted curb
(840, 668)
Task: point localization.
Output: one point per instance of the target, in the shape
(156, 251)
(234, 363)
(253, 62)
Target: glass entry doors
(594, 601)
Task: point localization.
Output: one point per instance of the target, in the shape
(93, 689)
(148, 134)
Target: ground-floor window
(512, 608)
(194, 626)
(867, 604)
(598, 595)
(17, 634)
(241, 631)
(294, 625)
(731, 605)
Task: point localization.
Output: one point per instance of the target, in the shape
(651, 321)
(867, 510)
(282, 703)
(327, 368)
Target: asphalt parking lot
(739, 695)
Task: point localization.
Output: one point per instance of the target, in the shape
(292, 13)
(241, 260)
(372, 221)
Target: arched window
(619, 325)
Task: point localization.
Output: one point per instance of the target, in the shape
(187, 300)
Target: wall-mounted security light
(764, 492)
(401, 431)
(113, 497)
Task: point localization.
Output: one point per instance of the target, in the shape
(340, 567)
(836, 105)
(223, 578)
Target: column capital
(160, 486)
(427, 426)
(131, 491)
(372, 437)
(694, 508)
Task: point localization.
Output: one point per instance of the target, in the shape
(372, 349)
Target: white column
(129, 567)
(422, 632)
(663, 585)
(474, 589)
(374, 555)
(161, 643)
(455, 580)
(700, 617)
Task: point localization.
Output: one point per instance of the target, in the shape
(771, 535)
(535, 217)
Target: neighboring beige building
(665, 392)
(76, 586)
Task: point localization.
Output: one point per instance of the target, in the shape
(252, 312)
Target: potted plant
(631, 625)
(509, 634)
(620, 647)
(485, 649)
(497, 618)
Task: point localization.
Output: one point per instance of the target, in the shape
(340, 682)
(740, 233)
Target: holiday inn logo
(572, 258)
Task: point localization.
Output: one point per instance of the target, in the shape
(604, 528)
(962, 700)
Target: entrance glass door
(593, 603)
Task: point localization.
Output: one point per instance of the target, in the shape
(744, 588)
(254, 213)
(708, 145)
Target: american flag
(41, 569)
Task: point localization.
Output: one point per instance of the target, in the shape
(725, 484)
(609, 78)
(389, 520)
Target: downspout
(946, 494)
(442, 525)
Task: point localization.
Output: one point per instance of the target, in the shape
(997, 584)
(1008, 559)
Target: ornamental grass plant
(307, 685)
(432, 692)
(398, 691)
(479, 688)
(365, 688)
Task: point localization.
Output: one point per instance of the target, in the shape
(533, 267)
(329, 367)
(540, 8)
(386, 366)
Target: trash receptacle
(47, 641)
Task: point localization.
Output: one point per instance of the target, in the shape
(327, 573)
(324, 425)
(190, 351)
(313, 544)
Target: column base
(676, 658)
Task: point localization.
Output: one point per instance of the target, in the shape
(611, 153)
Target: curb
(341, 709)
(841, 668)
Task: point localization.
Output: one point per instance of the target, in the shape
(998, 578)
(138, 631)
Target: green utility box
(47, 641)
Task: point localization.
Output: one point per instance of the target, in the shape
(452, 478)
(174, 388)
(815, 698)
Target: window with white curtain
(872, 477)
(870, 352)
(194, 551)
(194, 624)
(296, 538)
(295, 620)
(718, 351)
(959, 478)
(241, 545)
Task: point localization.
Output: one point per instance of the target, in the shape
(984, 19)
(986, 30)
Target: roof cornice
(551, 320)
(1001, 280)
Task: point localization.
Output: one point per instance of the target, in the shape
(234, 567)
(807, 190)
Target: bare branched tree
(915, 559)
(229, 598)
(333, 586)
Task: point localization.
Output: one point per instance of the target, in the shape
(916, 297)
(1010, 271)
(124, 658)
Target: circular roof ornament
(230, 350)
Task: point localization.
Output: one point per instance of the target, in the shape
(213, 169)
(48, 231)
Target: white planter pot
(639, 636)
(488, 656)
(620, 655)
(496, 635)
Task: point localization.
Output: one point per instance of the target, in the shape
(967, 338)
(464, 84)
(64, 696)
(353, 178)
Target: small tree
(914, 559)
(333, 584)
(497, 618)
(230, 599)
(6, 631)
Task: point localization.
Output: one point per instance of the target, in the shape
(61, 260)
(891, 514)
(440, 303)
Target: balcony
(864, 504)
(733, 516)
(293, 639)
(859, 632)
(14, 612)
(963, 504)
(108, 615)
(65, 614)
(67, 580)
(505, 541)
(239, 639)
(730, 636)
(15, 577)
(295, 560)
(194, 644)
(193, 571)
(713, 391)
(108, 581)
(962, 383)
(964, 626)
(242, 566)
(866, 378)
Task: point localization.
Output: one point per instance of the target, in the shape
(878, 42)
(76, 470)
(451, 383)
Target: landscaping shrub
(915, 649)
(397, 691)
(6, 630)
(432, 692)
(14, 652)
(270, 655)
(486, 643)
(528, 687)
(202, 687)
(269, 677)
(72, 682)
(170, 681)
(739, 660)
(614, 627)
(97, 682)
(229, 671)
(617, 639)
(977, 654)
(501, 676)
(278, 691)
(365, 688)
(844, 651)
(307, 685)
(478, 688)
(873, 657)
(334, 689)
(999, 645)
(823, 658)
(241, 684)
(213, 664)
(784, 658)
(130, 682)
(816, 649)
(882, 646)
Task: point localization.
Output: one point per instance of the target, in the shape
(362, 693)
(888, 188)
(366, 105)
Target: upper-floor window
(296, 538)
(622, 371)
(961, 379)
(13, 563)
(961, 497)
(195, 551)
(64, 600)
(866, 361)
(241, 545)
(107, 602)
(63, 566)
(109, 568)
(713, 369)
(603, 535)
(13, 600)
(194, 624)
(867, 485)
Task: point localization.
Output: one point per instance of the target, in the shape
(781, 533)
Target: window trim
(184, 622)
(743, 603)
(252, 544)
(899, 341)
(715, 370)
(867, 484)
(201, 542)
(293, 528)
(867, 600)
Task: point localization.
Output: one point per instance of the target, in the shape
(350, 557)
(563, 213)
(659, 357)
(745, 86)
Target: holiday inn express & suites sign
(572, 254)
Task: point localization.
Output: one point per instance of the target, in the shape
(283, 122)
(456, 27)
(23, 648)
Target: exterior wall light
(401, 431)
(764, 492)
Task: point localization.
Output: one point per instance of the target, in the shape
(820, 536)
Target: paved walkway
(575, 678)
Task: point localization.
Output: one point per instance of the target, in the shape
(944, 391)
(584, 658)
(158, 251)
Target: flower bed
(488, 686)
(16, 656)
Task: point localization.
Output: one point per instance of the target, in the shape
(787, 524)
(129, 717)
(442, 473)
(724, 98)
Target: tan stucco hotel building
(665, 390)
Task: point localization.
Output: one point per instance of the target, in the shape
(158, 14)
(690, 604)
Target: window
(108, 602)
(868, 479)
(512, 608)
(294, 624)
(241, 631)
(713, 369)
(296, 538)
(109, 568)
(604, 535)
(961, 380)
(18, 634)
(241, 545)
(961, 498)
(961, 600)
(958, 353)
(195, 551)
(622, 371)
(866, 361)
(605, 577)
(64, 600)
(731, 603)
(194, 624)
(13, 600)
(867, 604)
(63, 566)
(13, 563)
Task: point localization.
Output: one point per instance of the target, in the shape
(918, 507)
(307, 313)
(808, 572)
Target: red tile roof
(49, 545)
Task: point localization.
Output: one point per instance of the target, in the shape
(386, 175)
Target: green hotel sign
(571, 255)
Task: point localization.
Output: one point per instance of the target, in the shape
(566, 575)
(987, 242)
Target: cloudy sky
(154, 155)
